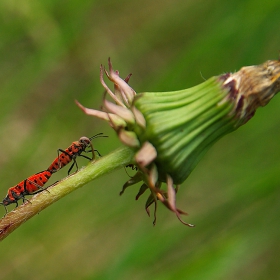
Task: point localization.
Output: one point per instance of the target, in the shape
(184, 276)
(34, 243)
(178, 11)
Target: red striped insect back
(26, 187)
(76, 149)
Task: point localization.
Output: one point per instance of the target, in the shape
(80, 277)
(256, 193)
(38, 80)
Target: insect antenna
(97, 136)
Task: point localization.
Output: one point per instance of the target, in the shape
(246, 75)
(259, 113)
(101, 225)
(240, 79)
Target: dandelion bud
(171, 131)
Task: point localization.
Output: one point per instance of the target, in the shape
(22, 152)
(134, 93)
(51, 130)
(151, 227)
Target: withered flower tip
(171, 131)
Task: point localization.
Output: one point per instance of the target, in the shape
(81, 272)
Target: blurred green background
(50, 53)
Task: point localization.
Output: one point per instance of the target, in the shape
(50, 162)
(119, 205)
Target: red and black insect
(26, 187)
(76, 149)
(35, 183)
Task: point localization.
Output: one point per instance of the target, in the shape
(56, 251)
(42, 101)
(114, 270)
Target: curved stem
(115, 160)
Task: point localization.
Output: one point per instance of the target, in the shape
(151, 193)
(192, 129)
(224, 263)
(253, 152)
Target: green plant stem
(115, 160)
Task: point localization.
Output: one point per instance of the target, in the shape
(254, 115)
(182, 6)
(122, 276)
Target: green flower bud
(171, 131)
(182, 125)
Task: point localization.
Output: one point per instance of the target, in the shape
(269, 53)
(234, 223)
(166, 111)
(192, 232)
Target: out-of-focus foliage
(50, 52)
